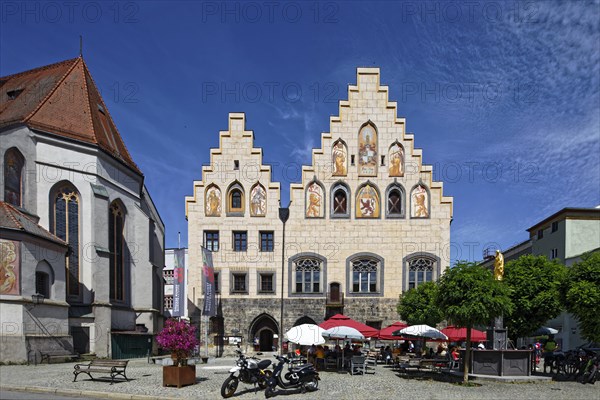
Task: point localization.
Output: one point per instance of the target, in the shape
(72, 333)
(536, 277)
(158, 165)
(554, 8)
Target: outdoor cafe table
(433, 363)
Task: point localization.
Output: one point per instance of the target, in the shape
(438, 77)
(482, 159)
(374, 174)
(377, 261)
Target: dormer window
(13, 94)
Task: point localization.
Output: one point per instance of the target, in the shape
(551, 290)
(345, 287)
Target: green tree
(468, 295)
(418, 306)
(581, 294)
(535, 284)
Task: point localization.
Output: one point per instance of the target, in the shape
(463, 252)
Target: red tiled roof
(62, 99)
(14, 219)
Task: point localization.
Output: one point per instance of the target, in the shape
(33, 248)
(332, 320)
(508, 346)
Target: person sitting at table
(310, 354)
(319, 357)
(387, 354)
(442, 350)
(455, 354)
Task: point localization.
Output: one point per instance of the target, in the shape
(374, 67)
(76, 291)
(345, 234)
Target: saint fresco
(339, 157)
(9, 267)
(367, 151)
(420, 202)
(258, 201)
(314, 201)
(396, 157)
(213, 201)
(367, 202)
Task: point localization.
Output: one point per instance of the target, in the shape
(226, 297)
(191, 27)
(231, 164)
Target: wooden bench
(58, 354)
(112, 367)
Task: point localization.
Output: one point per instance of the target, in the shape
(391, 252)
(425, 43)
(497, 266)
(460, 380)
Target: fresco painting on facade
(325, 272)
(367, 151)
(396, 157)
(213, 201)
(339, 156)
(367, 202)
(9, 267)
(258, 201)
(314, 201)
(420, 201)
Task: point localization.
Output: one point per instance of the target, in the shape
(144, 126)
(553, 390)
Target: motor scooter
(304, 377)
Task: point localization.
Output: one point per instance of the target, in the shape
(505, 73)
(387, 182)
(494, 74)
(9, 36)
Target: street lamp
(284, 215)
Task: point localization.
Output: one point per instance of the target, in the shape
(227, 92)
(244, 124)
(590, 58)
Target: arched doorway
(263, 331)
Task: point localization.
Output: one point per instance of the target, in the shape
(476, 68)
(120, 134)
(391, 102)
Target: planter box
(179, 376)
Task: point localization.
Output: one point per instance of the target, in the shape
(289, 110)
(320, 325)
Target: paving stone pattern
(384, 384)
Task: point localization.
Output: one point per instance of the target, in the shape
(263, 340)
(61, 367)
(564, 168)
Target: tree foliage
(418, 306)
(535, 284)
(468, 295)
(581, 295)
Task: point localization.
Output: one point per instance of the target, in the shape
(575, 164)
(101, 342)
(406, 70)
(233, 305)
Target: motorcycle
(248, 370)
(304, 377)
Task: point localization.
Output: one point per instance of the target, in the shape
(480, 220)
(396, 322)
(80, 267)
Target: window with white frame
(365, 275)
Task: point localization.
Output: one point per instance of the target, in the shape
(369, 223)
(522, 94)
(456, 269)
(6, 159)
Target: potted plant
(178, 337)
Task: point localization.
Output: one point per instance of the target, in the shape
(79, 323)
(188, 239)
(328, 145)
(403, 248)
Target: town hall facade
(367, 222)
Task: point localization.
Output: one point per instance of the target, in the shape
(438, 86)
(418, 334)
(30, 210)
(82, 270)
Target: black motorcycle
(248, 370)
(304, 377)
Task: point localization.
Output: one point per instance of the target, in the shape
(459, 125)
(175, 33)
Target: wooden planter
(179, 376)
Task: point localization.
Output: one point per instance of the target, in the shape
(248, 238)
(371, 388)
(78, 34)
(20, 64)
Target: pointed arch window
(395, 202)
(66, 209)
(116, 240)
(13, 177)
(340, 201)
(235, 200)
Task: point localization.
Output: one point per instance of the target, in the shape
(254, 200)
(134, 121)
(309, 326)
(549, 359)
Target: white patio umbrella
(425, 331)
(305, 335)
(545, 330)
(343, 332)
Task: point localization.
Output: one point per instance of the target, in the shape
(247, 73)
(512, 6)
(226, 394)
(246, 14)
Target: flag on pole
(208, 273)
(179, 283)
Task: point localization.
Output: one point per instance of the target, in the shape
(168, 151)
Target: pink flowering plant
(178, 337)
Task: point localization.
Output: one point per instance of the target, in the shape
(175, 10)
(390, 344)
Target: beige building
(566, 236)
(366, 223)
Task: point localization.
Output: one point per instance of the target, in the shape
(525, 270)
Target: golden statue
(498, 266)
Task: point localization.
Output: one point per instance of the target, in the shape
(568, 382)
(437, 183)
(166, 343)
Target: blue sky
(503, 97)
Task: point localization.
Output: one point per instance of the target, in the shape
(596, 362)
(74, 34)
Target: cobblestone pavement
(384, 384)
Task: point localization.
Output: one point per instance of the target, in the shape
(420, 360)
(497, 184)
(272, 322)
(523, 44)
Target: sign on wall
(10, 267)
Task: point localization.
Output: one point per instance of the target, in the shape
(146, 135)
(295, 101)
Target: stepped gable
(368, 104)
(63, 100)
(236, 143)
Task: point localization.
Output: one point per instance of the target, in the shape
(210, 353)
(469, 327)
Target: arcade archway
(263, 331)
